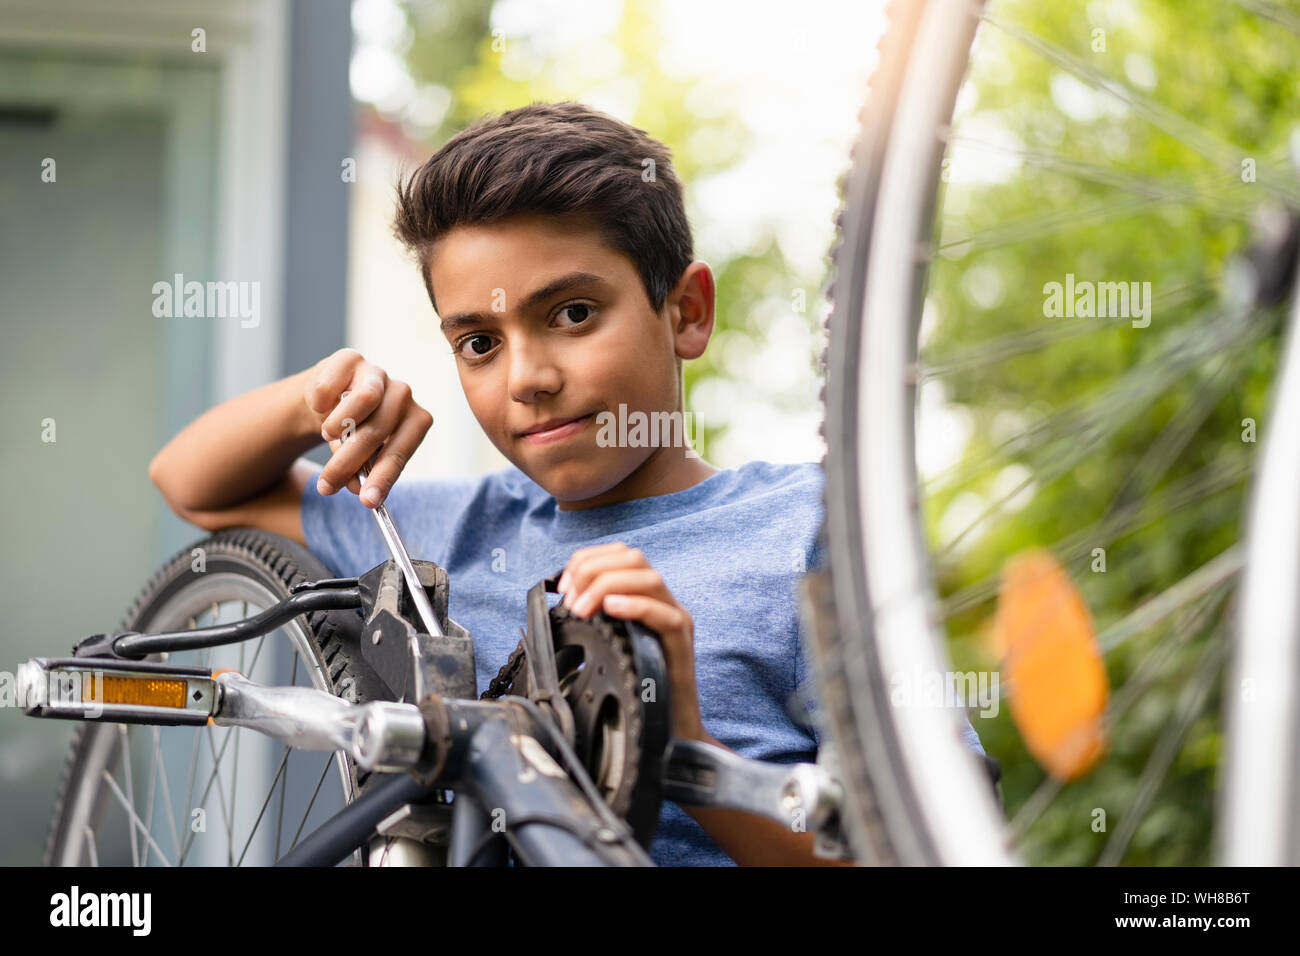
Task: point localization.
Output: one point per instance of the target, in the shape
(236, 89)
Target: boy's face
(549, 323)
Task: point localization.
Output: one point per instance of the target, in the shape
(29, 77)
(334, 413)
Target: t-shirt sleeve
(343, 533)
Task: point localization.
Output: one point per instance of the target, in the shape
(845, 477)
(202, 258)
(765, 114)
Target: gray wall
(320, 137)
(135, 200)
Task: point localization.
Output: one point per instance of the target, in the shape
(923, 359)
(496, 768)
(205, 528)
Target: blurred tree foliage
(1129, 439)
(454, 45)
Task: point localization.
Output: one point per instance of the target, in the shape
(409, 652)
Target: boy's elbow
(159, 475)
(204, 520)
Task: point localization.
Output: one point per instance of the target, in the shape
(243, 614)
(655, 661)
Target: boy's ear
(690, 308)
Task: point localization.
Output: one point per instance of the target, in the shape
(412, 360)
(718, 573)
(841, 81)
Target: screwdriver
(398, 550)
(421, 597)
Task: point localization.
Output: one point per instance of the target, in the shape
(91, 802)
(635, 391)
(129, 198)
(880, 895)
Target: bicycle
(905, 588)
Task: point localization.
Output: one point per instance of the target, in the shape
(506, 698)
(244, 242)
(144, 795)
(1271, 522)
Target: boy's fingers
(586, 565)
(596, 549)
(326, 486)
(352, 454)
(333, 377)
(357, 403)
(391, 459)
(642, 581)
(659, 617)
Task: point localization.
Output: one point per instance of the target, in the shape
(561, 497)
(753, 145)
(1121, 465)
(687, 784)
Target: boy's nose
(532, 373)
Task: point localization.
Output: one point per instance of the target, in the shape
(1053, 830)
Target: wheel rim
(897, 610)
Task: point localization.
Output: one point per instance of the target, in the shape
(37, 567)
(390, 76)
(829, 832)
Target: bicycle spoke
(1080, 448)
(265, 803)
(256, 654)
(1203, 193)
(234, 774)
(284, 781)
(1107, 409)
(245, 828)
(1222, 153)
(1179, 634)
(188, 807)
(1271, 11)
(1040, 337)
(1209, 481)
(167, 798)
(148, 807)
(1219, 569)
(134, 818)
(1051, 223)
(91, 848)
(312, 802)
(221, 796)
(1082, 440)
(1163, 755)
(1173, 438)
(214, 776)
(207, 732)
(130, 795)
(1196, 620)
(1033, 808)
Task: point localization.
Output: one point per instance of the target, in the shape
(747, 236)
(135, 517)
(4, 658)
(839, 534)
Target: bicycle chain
(620, 672)
(500, 685)
(508, 673)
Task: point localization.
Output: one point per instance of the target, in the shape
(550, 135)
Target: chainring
(596, 665)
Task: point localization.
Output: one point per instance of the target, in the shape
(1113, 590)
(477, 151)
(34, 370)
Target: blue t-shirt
(731, 550)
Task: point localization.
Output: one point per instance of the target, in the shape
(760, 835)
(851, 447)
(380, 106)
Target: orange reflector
(1049, 651)
(146, 691)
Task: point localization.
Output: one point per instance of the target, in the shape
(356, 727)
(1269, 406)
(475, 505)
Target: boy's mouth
(555, 429)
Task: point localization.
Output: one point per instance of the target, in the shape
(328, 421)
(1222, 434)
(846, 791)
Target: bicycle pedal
(116, 691)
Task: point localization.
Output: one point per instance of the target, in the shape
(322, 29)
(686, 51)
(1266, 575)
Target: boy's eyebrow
(554, 287)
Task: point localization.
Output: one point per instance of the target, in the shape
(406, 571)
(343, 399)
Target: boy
(563, 275)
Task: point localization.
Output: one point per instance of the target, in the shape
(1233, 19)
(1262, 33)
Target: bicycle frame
(514, 776)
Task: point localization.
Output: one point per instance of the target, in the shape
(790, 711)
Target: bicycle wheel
(972, 412)
(138, 795)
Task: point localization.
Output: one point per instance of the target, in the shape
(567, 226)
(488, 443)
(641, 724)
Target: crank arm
(308, 719)
(802, 795)
(379, 735)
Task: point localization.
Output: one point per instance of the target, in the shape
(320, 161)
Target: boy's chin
(573, 482)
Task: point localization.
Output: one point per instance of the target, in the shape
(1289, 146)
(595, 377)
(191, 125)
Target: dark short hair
(560, 159)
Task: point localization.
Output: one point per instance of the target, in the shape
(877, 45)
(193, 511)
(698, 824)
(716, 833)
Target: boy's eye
(584, 311)
(483, 348)
(581, 312)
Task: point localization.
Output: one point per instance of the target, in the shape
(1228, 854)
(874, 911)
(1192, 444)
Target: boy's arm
(278, 510)
(241, 463)
(239, 450)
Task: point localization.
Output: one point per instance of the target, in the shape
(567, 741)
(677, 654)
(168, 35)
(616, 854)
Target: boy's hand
(619, 580)
(361, 409)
